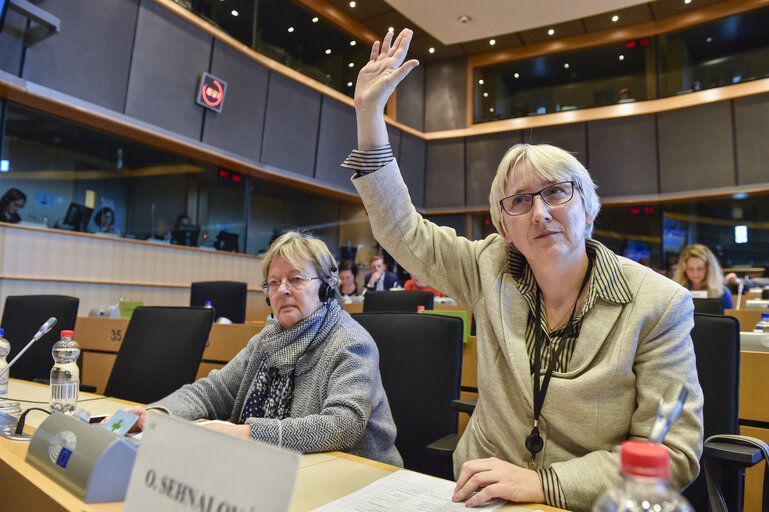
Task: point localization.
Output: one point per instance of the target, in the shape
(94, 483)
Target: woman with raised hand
(576, 345)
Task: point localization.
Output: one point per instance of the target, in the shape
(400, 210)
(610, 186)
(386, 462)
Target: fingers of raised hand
(374, 51)
(386, 42)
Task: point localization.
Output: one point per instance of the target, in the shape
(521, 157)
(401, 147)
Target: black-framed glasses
(294, 283)
(555, 194)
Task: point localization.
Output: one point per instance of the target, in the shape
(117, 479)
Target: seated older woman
(309, 382)
(576, 345)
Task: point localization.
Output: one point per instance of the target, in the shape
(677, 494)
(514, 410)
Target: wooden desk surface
(322, 477)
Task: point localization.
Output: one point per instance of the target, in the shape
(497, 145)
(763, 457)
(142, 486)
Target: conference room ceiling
(509, 23)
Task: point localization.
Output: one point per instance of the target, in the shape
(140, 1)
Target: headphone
(326, 292)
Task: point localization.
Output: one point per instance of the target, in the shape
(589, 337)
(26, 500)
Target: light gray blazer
(339, 402)
(624, 359)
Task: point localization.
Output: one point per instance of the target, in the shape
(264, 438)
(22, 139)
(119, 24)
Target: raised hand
(376, 82)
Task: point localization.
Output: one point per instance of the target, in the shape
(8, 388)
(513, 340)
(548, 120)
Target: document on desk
(404, 491)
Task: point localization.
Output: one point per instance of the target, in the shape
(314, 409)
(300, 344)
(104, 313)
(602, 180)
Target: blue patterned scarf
(272, 389)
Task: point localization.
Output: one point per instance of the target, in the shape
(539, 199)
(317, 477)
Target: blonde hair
(714, 276)
(299, 249)
(546, 163)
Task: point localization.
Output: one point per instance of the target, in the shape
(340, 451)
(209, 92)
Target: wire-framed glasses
(555, 194)
(293, 283)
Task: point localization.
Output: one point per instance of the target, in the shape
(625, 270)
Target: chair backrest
(765, 294)
(22, 317)
(716, 340)
(709, 306)
(420, 359)
(161, 351)
(227, 297)
(404, 301)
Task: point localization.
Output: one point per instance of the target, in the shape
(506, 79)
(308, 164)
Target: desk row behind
(322, 477)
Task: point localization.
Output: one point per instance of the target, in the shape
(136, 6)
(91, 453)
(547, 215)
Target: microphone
(668, 410)
(47, 326)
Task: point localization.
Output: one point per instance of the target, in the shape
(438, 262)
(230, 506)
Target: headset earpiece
(267, 299)
(325, 292)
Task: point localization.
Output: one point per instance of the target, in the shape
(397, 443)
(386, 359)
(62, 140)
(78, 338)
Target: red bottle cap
(67, 334)
(642, 458)
(420, 309)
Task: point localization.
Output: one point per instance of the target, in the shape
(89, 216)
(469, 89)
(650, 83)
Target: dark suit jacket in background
(390, 280)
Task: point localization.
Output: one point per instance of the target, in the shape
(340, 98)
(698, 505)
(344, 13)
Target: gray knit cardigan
(339, 402)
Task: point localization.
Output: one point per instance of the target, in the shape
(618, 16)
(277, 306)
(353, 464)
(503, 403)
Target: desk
(322, 477)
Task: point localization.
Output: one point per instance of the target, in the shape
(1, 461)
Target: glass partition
(81, 179)
(714, 54)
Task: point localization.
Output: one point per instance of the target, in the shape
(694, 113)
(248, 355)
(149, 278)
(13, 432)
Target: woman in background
(348, 288)
(10, 204)
(698, 269)
(105, 221)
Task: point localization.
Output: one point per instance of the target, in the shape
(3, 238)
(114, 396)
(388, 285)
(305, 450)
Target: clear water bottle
(645, 470)
(65, 375)
(763, 324)
(5, 349)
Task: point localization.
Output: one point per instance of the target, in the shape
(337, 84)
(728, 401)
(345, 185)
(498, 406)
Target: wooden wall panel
(751, 122)
(291, 133)
(445, 96)
(696, 149)
(168, 58)
(444, 179)
(238, 127)
(622, 156)
(90, 57)
(483, 156)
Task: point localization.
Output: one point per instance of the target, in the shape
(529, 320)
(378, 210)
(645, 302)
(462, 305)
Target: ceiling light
(234, 12)
(351, 65)
(485, 95)
(353, 43)
(328, 51)
(463, 19)
(551, 32)
(349, 84)
(290, 29)
(621, 57)
(391, 29)
(566, 65)
(352, 4)
(431, 50)
(516, 75)
(615, 18)
(491, 109)
(708, 39)
(492, 42)
(480, 81)
(315, 19)
(687, 1)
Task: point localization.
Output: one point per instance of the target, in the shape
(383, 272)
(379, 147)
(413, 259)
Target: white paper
(404, 491)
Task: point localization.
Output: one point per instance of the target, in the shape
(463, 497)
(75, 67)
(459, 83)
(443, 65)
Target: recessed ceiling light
(463, 19)
(351, 65)
(621, 57)
(492, 42)
(480, 81)
(516, 75)
(485, 95)
(708, 39)
(615, 18)
(687, 1)
(431, 50)
(234, 12)
(290, 29)
(551, 32)
(328, 51)
(353, 43)
(391, 29)
(315, 19)
(349, 84)
(352, 4)
(566, 65)
(491, 109)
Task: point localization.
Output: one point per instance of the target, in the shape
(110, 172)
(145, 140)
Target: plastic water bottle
(65, 375)
(763, 324)
(645, 470)
(5, 349)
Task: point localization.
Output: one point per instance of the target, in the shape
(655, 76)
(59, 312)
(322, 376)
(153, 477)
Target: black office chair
(228, 298)
(765, 294)
(420, 359)
(399, 301)
(161, 351)
(22, 317)
(716, 340)
(709, 306)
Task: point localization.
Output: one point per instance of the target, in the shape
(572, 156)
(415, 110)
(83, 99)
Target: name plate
(182, 466)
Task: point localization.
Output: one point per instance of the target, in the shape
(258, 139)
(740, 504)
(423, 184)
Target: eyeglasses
(292, 283)
(558, 193)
